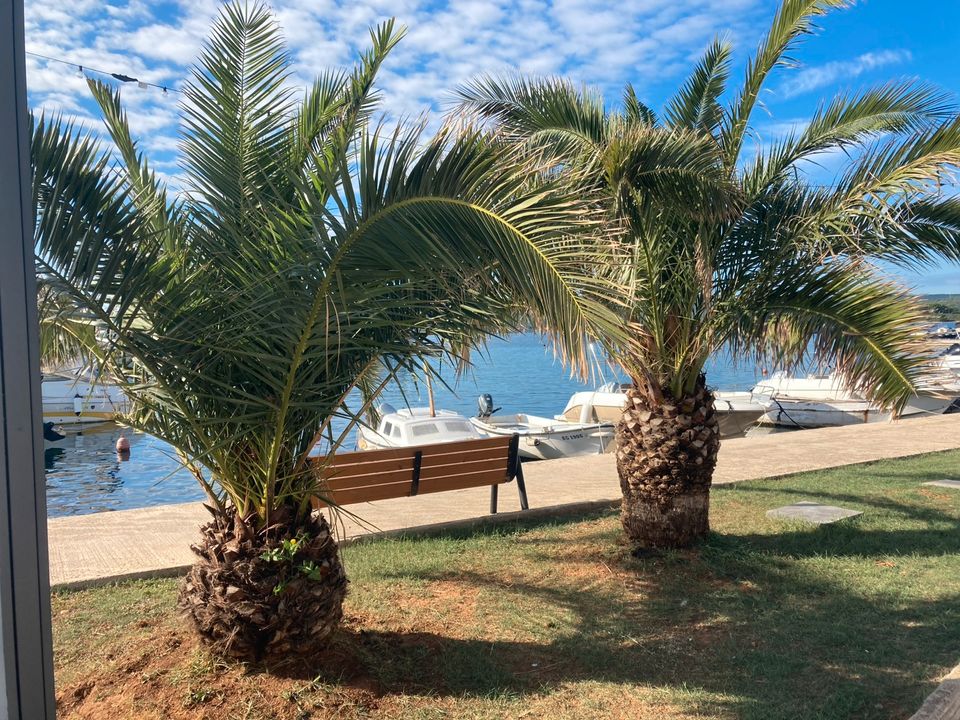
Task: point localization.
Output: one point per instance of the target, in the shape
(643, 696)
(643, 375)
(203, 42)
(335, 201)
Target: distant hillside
(943, 307)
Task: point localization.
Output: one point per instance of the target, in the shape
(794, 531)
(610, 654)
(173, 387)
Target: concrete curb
(944, 702)
(542, 513)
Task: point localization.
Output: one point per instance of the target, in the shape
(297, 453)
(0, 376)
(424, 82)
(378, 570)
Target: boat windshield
(422, 429)
(441, 426)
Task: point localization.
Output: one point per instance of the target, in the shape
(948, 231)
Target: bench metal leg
(521, 487)
(493, 499)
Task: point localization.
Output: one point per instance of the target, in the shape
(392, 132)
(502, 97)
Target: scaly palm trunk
(666, 454)
(250, 606)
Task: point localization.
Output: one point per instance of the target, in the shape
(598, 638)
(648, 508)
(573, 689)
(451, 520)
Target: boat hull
(736, 412)
(796, 412)
(544, 439)
(72, 401)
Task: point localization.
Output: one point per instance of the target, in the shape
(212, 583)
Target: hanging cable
(82, 71)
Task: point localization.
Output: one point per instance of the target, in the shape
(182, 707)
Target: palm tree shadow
(945, 519)
(743, 623)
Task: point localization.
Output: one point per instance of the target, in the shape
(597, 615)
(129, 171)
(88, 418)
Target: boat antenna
(426, 372)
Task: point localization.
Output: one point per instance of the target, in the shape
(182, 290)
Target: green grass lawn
(556, 619)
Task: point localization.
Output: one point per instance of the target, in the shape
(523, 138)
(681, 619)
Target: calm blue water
(520, 372)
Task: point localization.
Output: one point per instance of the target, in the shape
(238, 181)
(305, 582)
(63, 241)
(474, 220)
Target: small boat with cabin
(736, 411)
(409, 427)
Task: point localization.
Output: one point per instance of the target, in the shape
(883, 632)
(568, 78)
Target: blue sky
(651, 43)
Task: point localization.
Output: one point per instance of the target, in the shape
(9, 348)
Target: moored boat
(72, 399)
(543, 438)
(414, 426)
(736, 410)
(825, 401)
(949, 360)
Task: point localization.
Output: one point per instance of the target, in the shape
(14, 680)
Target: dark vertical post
(26, 680)
(522, 487)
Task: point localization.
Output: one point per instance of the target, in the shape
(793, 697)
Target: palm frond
(697, 104)
(236, 113)
(467, 196)
(338, 103)
(845, 314)
(636, 111)
(679, 169)
(794, 19)
(147, 193)
(549, 114)
(67, 338)
(86, 220)
(849, 121)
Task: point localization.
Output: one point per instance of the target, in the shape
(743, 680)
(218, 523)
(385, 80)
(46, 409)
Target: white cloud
(643, 41)
(811, 78)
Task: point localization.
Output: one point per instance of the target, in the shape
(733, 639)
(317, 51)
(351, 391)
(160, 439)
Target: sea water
(522, 374)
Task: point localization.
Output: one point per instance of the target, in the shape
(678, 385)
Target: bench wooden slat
(491, 465)
(366, 456)
(404, 464)
(388, 491)
(339, 472)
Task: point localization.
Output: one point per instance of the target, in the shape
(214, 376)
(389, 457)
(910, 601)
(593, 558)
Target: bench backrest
(401, 472)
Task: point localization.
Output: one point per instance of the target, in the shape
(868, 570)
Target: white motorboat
(826, 401)
(736, 411)
(604, 405)
(409, 427)
(543, 438)
(949, 359)
(74, 399)
(943, 330)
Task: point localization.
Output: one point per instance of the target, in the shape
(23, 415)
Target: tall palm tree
(730, 246)
(308, 255)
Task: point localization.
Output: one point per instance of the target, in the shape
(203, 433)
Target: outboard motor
(50, 434)
(485, 406)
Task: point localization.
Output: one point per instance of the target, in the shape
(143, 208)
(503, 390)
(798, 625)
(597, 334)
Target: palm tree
(308, 255)
(731, 247)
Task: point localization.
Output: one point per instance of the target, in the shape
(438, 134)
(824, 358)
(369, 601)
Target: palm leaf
(794, 20)
(297, 266)
(697, 104)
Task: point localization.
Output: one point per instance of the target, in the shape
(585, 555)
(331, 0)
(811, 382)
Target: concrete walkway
(92, 549)
(944, 702)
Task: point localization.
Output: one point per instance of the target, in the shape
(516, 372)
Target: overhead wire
(82, 70)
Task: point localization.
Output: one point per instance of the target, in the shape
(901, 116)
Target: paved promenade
(157, 540)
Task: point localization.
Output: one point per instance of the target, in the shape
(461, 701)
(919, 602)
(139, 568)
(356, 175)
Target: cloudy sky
(651, 43)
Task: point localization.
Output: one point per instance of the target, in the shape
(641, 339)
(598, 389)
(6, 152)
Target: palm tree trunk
(246, 606)
(666, 454)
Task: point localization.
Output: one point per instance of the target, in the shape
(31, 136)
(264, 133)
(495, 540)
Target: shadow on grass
(895, 511)
(742, 626)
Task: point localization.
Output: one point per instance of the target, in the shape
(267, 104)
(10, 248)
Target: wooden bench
(357, 477)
